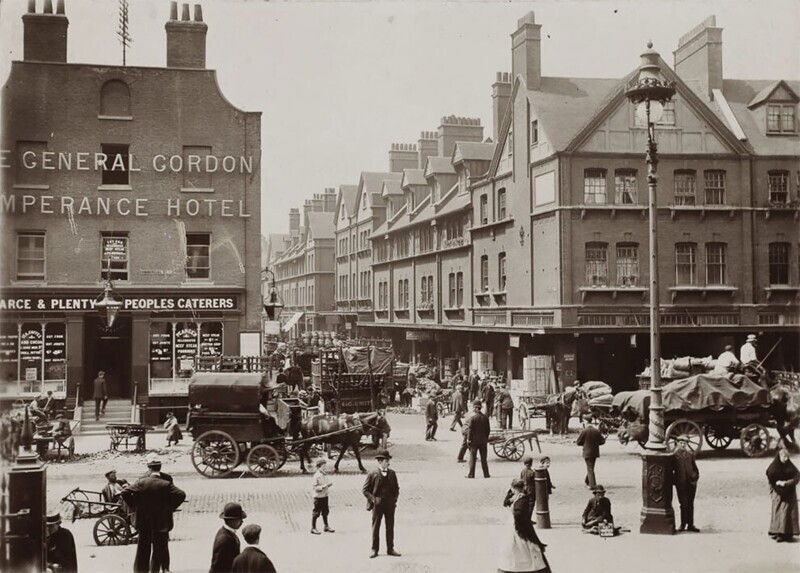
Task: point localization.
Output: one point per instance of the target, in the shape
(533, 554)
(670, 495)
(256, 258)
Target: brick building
(147, 173)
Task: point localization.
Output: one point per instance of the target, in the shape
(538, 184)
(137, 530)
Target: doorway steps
(117, 412)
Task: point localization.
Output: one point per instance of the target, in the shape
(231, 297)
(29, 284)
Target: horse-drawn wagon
(238, 417)
(354, 378)
(716, 409)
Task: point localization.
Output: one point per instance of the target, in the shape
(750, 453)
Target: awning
(292, 321)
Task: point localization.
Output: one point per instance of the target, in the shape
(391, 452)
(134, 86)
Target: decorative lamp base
(657, 514)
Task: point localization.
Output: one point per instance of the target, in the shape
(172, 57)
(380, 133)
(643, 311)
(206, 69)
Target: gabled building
(564, 204)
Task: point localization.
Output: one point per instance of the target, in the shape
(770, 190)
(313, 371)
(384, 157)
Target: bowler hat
(598, 489)
(233, 510)
(153, 461)
(383, 454)
(54, 518)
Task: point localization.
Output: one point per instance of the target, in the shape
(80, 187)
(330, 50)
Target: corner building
(148, 173)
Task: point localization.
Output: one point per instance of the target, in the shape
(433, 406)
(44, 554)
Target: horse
(785, 409)
(560, 408)
(345, 430)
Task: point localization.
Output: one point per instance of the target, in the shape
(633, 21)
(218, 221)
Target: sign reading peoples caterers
(61, 303)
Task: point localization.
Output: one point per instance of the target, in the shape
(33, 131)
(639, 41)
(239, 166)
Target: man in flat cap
(382, 490)
(154, 499)
(113, 490)
(686, 477)
(61, 554)
(226, 543)
(252, 559)
(477, 438)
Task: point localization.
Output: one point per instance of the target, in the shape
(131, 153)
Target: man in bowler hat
(154, 500)
(61, 554)
(477, 438)
(226, 543)
(591, 439)
(382, 490)
(686, 477)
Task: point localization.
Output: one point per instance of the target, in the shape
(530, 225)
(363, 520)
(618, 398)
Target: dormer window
(780, 118)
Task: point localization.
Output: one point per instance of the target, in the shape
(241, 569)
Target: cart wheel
(717, 437)
(111, 530)
(755, 440)
(523, 415)
(215, 454)
(498, 448)
(514, 449)
(263, 461)
(684, 426)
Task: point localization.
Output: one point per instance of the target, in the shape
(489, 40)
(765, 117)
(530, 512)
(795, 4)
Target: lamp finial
(649, 44)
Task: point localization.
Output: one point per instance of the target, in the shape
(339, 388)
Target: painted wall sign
(62, 303)
(69, 206)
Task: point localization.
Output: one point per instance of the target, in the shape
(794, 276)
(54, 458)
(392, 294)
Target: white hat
(751, 338)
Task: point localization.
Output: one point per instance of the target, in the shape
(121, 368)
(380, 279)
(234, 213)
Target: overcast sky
(339, 82)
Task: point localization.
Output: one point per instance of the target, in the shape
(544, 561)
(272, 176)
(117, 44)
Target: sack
(588, 387)
(597, 392)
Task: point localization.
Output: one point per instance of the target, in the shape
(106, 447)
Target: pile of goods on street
(313, 341)
(683, 367)
(598, 393)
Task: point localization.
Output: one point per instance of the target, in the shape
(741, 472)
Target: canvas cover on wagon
(226, 391)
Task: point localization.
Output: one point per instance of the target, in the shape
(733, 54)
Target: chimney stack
(427, 146)
(45, 34)
(526, 51)
(501, 93)
(402, 156)
(294, 222)
(329, 200)
(454, 129)
(698, 59)
(186, 38)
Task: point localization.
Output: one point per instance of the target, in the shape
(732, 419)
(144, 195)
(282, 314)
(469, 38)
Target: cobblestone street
(446, 522)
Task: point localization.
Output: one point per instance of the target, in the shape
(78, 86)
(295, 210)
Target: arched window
(115, 99)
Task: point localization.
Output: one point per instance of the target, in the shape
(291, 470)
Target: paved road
(449, 523)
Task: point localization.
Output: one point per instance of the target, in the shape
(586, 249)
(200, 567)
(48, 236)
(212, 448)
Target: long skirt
(784, 519)
(519, 555)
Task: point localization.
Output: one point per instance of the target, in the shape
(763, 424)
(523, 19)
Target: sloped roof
(391, 188)
(413, 177)
(321, 225)
(740, 94)
(348, 195)
(373, 180)
(565, 105)
(439, 165)
(767, 91)
(471, 151)
(457, 203)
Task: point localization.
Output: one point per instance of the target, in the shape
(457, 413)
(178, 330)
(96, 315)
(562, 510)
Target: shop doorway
(108, 350)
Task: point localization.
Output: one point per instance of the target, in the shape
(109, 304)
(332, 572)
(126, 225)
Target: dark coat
(100, 390)
(226, 549)
(591, 439)
(431, 413)
(61, 551)
(458, 402)
(528, 477)
(504, 399)
(252, 560)
(686, 471)
(478, 429)
(154, 500)
(474, 385)
(381, 490)
(598, 509)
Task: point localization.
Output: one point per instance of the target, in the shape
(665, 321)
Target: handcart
(510, 444)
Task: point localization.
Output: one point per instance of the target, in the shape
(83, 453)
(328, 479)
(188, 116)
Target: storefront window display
(33, 357)
(174, 346)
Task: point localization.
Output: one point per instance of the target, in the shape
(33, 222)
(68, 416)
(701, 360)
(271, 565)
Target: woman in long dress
(783, 477)
(520, 549)
(173, 429)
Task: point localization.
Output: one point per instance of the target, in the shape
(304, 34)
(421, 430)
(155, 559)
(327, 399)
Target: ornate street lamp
(109, 303)
(649, 92)
(272, 305)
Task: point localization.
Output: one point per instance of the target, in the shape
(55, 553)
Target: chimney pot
(60, 7)
(198, 12)
(48, 7)
(526, 54)
(185, 13)
(173, 10)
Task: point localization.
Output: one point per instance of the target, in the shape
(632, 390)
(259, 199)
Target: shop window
(115, 99)
(9, 352)
(198, 259)
(31, 354)
(117, 164)
(174, 349)
(114, 256)
(31, 256)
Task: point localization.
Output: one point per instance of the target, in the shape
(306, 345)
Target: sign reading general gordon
(61, 303)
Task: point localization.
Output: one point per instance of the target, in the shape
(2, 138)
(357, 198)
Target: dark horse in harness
(345, 430)
(559, 408)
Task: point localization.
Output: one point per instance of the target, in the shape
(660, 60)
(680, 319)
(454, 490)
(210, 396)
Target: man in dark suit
(226, 543)
(477, 438)
(474, 384)
(154, 500)
(591, 439)
(686, 477)
(382, 490)
(432, 420)
(597, 510)
(457, 405)
(100, 394)
(61, 554)
(252, 559)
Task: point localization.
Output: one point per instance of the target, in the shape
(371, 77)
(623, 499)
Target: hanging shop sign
(60, 303)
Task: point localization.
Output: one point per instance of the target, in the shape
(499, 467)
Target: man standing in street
(457, 405)
(591, 439)
(154, 500)
(506, 403)
(431, 419)
(477, 438)
(462, 451)
(382, 490)
(226, 543)
(100, 394)
(474, 384)
(686, 477)
(252, 559)
(488, 397)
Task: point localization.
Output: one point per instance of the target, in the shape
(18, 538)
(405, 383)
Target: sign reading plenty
(145, 302)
